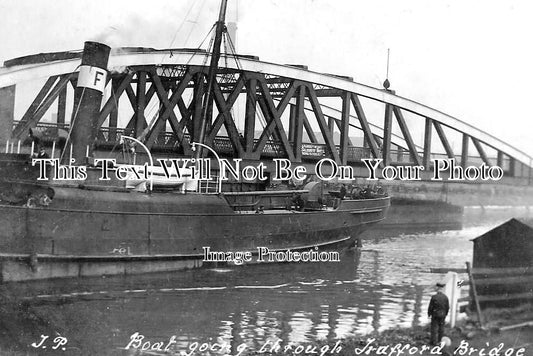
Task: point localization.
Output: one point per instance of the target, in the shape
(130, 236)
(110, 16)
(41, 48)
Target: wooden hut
(505, 246)
(503, 265)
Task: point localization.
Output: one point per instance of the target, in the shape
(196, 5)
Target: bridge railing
(109, 137)
(476, 160)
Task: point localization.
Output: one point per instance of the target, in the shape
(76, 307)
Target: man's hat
(440, 285)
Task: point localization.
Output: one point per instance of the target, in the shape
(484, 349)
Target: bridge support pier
(7, 112)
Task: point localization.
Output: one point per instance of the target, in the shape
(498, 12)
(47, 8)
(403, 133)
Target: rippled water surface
(385, 284)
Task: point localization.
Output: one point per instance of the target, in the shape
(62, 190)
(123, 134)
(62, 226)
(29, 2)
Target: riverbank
(501, 335)
(467, 338)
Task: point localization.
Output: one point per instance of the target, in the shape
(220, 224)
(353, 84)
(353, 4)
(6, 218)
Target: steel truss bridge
(261, 110)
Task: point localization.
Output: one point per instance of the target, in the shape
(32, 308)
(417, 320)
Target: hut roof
(511, 226)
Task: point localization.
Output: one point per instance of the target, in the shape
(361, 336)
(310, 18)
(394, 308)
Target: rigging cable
(181, 25)
(177, 31)
(195, 21)
(72, 124)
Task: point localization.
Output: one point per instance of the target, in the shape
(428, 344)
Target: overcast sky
(471, 59)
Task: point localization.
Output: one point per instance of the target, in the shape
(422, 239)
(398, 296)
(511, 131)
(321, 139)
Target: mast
(211, 74)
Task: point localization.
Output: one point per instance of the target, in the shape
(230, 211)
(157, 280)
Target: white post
(18, 147)
(32, 147)
(452, 291)
(7, 146)
(53, 148)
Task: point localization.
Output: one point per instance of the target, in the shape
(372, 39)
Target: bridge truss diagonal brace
(274, 114)
(326, 133)
(338, 123)
(309, 130)
(156, 128)
(56, 93)
(269, 129)
(225, 117)
(148, 123)
(62, 105)
(406, 135)
(137, 122)
(169, 114)
(112, 102)
(131, 97)
(368, 135)
(443, 139)
(40, 104)
(481, 151)
(250, 113)
(113, 115)
(160, 124)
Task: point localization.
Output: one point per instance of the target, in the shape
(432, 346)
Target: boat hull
(23, 267)
(93, 233)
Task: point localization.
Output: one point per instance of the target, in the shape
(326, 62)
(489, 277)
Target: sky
(471, 59)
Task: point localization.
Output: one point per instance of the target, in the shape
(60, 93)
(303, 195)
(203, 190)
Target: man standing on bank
(437, 311)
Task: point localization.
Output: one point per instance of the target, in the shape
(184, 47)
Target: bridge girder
(285, 100)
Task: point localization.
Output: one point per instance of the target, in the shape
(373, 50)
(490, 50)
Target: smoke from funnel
(157, 30)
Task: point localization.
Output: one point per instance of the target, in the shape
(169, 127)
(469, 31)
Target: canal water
(231, 309)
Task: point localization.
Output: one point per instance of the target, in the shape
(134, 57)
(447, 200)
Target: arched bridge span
(260, 110)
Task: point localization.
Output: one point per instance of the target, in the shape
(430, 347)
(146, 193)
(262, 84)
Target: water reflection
(386, 284)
